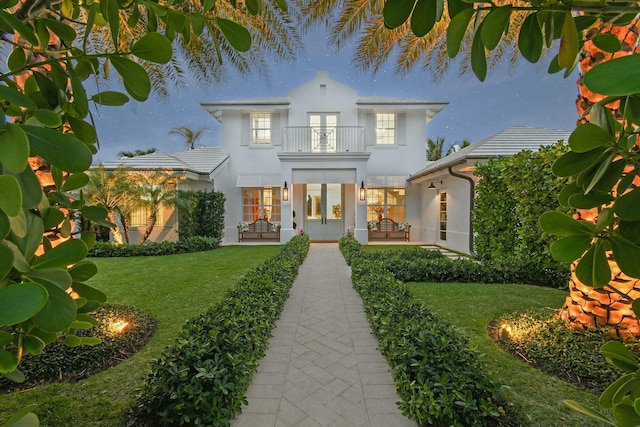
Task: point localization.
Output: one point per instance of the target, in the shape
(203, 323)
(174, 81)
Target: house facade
(322, 160)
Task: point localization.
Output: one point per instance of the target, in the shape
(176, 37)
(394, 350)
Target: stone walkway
(322, 367)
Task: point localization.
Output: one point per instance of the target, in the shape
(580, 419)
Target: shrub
(441, 381)
(543, 340)
(59, 361)
(192, 244)
(203, 215)
(202, 378)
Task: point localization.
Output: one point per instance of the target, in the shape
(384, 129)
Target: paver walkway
(322, 367)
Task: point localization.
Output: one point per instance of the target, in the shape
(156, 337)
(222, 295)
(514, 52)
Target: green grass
(172, 289)
(535, 397)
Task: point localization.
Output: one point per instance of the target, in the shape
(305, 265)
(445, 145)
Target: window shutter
(245, 131)
(276, 131)
(401, 129)
(370, 130)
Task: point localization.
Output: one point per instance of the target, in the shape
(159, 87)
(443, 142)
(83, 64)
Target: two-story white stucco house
(329, 162)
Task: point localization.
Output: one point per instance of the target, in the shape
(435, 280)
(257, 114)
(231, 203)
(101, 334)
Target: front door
(323, 216)
(324, 128)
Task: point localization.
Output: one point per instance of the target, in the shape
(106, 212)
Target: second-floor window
(385, 128)
(260, 128)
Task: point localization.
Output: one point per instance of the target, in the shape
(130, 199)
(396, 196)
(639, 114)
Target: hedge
(441, 381)
(202, 378)
(192, 244)
(203, 215)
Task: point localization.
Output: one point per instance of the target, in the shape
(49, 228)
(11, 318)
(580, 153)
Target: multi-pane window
(261, 203)
(385, 128)
(443, 215)
(261, 128)
(386, 203)
(140, 215)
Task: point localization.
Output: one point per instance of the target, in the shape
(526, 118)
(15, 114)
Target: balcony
(323, 139)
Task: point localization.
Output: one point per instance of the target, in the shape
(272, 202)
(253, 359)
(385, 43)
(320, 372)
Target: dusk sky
(529, 96)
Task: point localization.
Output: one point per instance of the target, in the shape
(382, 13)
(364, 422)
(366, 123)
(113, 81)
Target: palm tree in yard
(109, 189)
(155, 189)
(189, 135)
(435, 149)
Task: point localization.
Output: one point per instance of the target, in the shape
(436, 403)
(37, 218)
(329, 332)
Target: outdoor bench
(260, 229)
(388, 229)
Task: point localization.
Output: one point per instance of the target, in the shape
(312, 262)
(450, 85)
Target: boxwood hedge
(441, 380)
(191, 244)
(201, 379)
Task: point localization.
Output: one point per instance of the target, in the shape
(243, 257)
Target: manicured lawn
(172, 289)
(536, 397)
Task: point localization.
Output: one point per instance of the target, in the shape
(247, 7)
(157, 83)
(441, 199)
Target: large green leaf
(61, 256)
(6, 261)
(626, 416)
(627, 255)
(616, 77)
(153, 47)
(630, 230)
(570, 248)
(90, 293)
(5, 225)
(572, 163)
(48, 118)
(593, 269)
(585, 410)
(425, 15)
(110, 98)
(135, 78)
(607, 42)
(396, 12)
(84, 131)
(237, 36)
(75, 181)
(52, 217)
(569, 43)
(559, 224)
(64, 151)
(80, 101)
(591, 200)
(457, 29)
(18, 224)
(478, 57)
(25, 30)
(10, 195)
(14, 148)
(14, 96)
(30, 242)
(589, 136)
(31, 189)
(21, 302)
(627, 207)
(57, 276)
(23, 418)
(494, 25)
(66, 33)
(84, 270)
(8, 362)
(606, 398)
(530, 39)
(59, 311)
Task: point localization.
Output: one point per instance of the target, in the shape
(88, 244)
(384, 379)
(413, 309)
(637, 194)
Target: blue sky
(527, 96)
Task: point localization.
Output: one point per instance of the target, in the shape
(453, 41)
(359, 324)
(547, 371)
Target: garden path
(323, 367)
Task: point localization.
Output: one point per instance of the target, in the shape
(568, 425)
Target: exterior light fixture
(431, 186)
(363, 193)
(285, 192)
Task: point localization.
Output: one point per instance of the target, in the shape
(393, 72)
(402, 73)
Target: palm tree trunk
(125, 226)
(609, 307)
(151, 222)
(117, 236)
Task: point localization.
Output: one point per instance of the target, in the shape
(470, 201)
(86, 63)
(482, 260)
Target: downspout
(472, 186)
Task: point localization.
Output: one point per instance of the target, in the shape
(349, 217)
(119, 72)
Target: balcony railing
(323, 139)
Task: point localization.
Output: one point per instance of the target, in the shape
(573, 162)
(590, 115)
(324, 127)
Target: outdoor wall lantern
(431, 186)
(363, 193)
(285, 192)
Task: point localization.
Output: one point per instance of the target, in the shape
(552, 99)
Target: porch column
(286, 220)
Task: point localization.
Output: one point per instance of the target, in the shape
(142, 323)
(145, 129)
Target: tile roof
(506, 143)
(202, 161)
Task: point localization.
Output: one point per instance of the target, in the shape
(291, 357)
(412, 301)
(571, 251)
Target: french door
(324, 129)
(324, 212)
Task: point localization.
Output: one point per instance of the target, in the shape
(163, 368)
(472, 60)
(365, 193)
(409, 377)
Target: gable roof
(202, 161)
(506, 143)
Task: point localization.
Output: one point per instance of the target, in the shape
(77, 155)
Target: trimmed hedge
(203, 377)
(203, 215)
(441, 381)
(192, 244)
(419, 265)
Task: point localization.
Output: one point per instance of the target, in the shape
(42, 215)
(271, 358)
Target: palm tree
(458, 146)
(155, 189)
(108, 189)
(435, 148)
(190, 136)
(137, 152)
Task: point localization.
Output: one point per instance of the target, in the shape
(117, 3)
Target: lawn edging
(202, 378)
(440, 379)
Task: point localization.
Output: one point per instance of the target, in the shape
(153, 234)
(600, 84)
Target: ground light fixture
(285, 192)
(362, 191)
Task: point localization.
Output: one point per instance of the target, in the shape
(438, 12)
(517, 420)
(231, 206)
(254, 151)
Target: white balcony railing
(323, 139)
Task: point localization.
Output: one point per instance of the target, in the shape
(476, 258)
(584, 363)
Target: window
(385, 128)
(261, 203)
(443, 215)
(385, 203)
(261, 128)
(140, 215)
